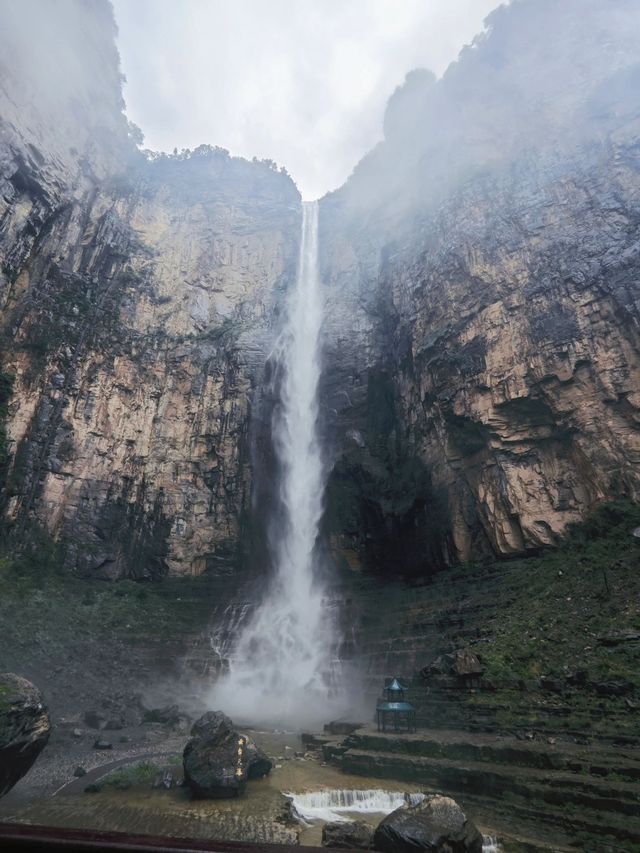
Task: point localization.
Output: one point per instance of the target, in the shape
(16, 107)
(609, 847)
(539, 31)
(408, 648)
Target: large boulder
(437, 824)
(350, 835)
(466, 664)
(211, 725)
(24, 728)
(218, 760)
(462, 664)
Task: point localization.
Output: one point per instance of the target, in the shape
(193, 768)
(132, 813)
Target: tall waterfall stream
(280, 652)
(280, 664)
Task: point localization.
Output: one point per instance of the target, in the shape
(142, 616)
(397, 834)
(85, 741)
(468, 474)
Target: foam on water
(340, 804)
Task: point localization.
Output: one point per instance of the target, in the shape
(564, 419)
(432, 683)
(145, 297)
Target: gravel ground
(53, 771)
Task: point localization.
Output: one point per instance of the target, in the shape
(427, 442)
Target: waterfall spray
(280, 665)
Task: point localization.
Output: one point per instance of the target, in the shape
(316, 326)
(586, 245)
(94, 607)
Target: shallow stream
(263, 814)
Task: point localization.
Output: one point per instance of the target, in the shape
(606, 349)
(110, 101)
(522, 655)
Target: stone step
(542, 829)
(616, 803)
(457, 746)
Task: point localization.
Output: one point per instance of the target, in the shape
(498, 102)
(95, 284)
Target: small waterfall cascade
(228, 623)
(339, 804)
(280, 664)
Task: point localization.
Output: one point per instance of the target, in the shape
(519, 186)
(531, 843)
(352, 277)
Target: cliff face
(489, 394)
(138, 308)
(482, 375)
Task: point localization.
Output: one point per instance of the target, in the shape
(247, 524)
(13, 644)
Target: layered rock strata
(138, 310)
(487, 365)
(481, 381)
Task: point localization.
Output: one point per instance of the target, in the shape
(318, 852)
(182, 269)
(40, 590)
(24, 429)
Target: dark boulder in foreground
(352, 835)
(437, 825)
(218, 760)
(24, 728)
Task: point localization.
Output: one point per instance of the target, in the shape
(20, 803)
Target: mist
(343, 493)
(70, 100)
(570, 66)
(304, 84)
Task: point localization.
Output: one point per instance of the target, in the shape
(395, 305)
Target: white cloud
(303, 82)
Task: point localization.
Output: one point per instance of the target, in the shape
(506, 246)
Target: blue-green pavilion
(395, 712)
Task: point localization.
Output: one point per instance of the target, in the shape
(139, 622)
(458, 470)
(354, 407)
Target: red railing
(21, 837)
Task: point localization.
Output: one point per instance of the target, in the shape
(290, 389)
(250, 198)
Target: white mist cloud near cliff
(302, 82)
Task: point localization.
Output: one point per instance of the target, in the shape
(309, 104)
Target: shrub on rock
(24, 728)
(436, 825)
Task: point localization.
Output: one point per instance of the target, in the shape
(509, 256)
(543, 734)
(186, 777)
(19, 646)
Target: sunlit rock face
(139, 302)
(481, 268)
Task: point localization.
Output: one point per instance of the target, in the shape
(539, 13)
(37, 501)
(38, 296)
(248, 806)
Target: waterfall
(340, 804)
(280, 663)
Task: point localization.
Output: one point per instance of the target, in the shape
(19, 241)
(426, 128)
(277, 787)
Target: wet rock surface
(481, 342)
(24, 728)
(341, 727)
(436, 825)
(218, 760)
(157, 281)
(463, 663)
(483, 332)
(500, 776)
(481, 383)
(169, 715)
(352, 835)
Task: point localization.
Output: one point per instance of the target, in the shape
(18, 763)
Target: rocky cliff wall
(487, 394)
(139, 303)
(480, 390)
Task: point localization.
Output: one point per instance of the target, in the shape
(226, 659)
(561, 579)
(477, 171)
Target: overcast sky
(303, 82)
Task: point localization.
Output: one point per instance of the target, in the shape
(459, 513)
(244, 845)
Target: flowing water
(280, 664)
(342, 804)
(371, 804)
(317, 792)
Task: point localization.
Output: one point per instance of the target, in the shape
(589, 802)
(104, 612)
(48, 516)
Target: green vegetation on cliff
(579, 609)
(80, 637)
(48, 597)
(557, 635)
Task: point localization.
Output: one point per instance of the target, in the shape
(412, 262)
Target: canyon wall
(481, 383)
(139, 301)
(481, 267)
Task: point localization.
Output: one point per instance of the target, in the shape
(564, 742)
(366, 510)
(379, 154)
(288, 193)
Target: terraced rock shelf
(562, 793)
